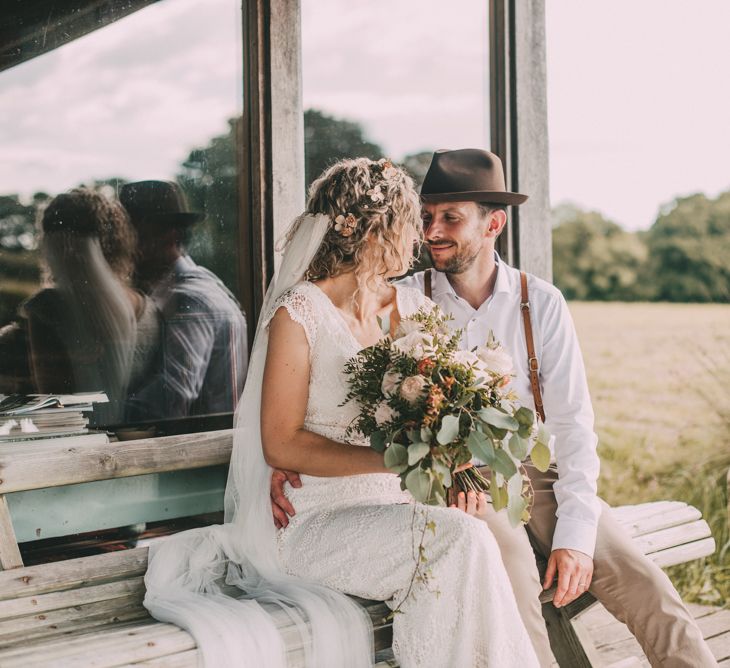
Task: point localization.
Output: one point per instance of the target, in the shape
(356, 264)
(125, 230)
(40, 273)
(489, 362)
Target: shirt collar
(503, 283)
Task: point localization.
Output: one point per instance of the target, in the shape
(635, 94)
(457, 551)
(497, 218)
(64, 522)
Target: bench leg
(570, 649)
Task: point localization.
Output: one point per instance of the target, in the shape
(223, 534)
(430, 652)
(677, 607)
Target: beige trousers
(630, 586)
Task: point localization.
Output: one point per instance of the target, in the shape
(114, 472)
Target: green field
(660, 382)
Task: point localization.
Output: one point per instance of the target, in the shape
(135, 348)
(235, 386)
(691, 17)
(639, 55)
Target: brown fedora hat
(157, 201)
(467, 175)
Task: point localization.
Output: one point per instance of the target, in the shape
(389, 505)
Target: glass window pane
(399, 79)
(146, 310)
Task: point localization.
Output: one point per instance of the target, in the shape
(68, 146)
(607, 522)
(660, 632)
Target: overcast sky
(638, 103)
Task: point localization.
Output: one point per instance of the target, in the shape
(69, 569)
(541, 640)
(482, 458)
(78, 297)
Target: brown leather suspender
(532, 362)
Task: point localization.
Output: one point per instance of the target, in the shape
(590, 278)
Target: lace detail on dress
(299, 304)
(356, 533)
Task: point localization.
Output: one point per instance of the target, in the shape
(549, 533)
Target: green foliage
(682, 258)
(689, 247)
(328, 139)
(594, 259)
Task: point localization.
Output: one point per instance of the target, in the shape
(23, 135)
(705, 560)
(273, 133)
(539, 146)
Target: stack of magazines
(26, 417)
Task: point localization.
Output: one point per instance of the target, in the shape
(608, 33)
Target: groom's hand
(574, 570)
(281, 508)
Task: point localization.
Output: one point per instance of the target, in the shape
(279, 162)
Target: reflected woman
(89, 330)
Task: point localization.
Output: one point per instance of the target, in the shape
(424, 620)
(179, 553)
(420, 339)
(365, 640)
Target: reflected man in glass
(203, 356)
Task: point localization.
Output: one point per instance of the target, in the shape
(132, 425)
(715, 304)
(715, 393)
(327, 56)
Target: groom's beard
(454, 258)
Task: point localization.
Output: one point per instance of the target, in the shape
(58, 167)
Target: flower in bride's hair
(413, 388)
(384, 413)
(346, 224)
(376, 194)
(389, 172)
(391, 380)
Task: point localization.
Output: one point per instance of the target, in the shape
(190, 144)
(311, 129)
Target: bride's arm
(284, 396)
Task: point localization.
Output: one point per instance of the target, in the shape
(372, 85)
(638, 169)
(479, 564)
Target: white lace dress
(355, 533)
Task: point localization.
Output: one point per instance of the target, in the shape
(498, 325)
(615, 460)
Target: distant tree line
(683, 257)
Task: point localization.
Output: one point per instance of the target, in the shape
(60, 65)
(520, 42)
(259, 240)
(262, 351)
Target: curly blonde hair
(351, 187)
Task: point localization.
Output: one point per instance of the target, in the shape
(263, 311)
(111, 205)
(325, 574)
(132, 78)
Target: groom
(464, 211)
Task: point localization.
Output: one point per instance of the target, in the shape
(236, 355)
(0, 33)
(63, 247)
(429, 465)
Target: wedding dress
(350, 535)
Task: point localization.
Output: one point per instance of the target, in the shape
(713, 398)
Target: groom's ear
(496, 220)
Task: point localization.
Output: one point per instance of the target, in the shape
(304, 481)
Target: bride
(353, 532)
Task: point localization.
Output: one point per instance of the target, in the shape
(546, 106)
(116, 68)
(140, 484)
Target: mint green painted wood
(105, 504)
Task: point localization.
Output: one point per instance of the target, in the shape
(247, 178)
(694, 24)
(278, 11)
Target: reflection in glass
(154, 95)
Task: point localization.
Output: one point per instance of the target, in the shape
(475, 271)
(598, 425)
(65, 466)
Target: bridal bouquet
(431, 408)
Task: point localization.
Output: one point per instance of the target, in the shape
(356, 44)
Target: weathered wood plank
(632, 513)
(714, 624)
(9, 553)
(662, 521)
(188, 659)
(72, 573)
(116, 619)
(672, 537)
(684, 553)
(108, 606)
(24, 467)
(564, 642)
(720, 646)
(32, 605)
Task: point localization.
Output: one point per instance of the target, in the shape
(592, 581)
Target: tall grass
(660, 380)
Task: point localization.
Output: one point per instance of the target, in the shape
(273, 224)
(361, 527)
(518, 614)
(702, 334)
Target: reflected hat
(157, 201)
(467, 175)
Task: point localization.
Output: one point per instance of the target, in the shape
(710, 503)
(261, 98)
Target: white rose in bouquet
(408, 327)
(415, 345)
(412, 388)
(497, 360)
(391, 380)
(384, 413)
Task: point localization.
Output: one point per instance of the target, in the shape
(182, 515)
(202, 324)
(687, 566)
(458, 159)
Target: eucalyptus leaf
(426, 434)
(416, 452)
(543, 435)
(540, 456)
(449, 430)
(438, 494)
(504, 464)
(444, 471)
(377, 441)
(498, 494)
(516, 506)
(396, 458)
(418, 484)
(525, 416)
(480, 446)
(518, 447)
(498, 419)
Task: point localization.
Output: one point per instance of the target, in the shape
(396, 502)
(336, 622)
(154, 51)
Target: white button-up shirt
(567, 403)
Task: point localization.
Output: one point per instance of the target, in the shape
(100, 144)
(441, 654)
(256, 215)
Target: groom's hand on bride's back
(281, 507)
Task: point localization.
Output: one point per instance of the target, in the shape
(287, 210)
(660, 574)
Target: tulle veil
(225, 584)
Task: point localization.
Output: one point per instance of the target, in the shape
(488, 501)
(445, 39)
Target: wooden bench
(88, 611)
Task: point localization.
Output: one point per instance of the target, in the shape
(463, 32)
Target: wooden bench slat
(104, 641)
(188, 659)
(662, 521)
(72, 573)
(684, 553)
(115, 619)
(25, 467)
(673, 537)
(9, 551)
(69, 614)
(625, 514)
(32, 605)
